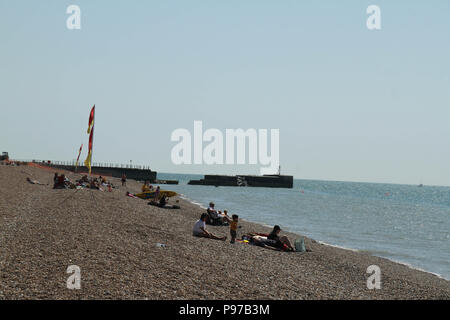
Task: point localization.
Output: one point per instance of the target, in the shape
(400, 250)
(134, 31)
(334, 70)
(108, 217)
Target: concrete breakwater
(269, 181)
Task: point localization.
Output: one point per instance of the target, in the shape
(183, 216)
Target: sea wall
(131, 173)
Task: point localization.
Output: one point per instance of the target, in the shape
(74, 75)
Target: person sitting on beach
(156, 196)
(213, 215)
(280, 241)
(83, 181)
(145, 187)
(60, 182)
(200, 229)
(211, 208)
(66, 180)
(94, 184)
(216, 217)
(225, 217)
(163, 201)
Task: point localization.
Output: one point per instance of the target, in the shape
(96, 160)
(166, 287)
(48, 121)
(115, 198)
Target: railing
(81, 163)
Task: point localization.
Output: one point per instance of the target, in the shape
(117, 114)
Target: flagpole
(76, 162)
(78, 158)
(90, 131)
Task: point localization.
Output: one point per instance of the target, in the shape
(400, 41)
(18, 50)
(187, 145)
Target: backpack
(299, 245)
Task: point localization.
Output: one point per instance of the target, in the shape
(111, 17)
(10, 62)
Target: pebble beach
(113, 239)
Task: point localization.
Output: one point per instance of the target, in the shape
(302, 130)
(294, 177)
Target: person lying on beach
(200, 229)
(261, 241)
(83, 181)
(35, 182)
(163, 203)
(280, 241)
(128, 194)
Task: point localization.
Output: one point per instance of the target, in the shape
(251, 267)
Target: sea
(404, 223)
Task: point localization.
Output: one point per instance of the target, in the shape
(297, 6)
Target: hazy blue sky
(351, 104)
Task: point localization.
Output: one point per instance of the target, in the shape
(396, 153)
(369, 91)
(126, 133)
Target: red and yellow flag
(91, 119)
(90, 131)
(78, 158)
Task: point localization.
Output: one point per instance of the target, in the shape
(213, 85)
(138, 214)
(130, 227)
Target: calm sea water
(404, 223)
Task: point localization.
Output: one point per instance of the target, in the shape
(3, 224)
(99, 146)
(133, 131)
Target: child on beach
(233, 227)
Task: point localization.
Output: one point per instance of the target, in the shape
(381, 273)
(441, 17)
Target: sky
(351, 104)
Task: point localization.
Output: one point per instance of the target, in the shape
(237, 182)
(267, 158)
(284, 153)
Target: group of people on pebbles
(212, 216)
(215, 217)
(62, 182)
